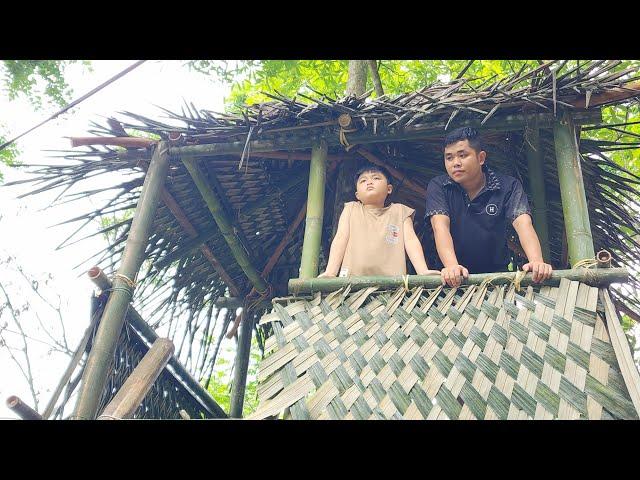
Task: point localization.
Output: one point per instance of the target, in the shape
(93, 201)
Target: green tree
(41, 82)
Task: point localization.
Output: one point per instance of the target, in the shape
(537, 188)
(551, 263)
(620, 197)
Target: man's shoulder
(439, 180)
(506, 181)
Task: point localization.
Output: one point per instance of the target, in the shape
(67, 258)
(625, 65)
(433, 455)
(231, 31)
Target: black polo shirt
(478, 226)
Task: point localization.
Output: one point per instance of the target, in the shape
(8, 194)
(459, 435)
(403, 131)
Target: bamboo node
(130, 284)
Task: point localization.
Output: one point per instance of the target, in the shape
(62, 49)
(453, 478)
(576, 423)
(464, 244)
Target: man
(469, 209)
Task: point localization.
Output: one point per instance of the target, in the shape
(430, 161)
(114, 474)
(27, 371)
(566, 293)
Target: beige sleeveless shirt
(376, 240)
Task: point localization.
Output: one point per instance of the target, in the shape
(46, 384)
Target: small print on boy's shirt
(393, 234)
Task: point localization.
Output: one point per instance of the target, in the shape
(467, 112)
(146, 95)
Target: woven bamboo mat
(480, 352)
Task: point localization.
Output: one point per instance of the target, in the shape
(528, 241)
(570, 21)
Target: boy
(371, 239)
(469, 209)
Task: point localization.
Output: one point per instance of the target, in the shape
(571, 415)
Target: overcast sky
(23, 226)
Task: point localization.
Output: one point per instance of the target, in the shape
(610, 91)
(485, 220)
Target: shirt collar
(492, 182)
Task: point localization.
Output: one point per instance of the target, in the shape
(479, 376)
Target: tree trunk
(357, 80)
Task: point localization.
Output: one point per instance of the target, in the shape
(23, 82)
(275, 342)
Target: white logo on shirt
(393, 234)
(492, 209)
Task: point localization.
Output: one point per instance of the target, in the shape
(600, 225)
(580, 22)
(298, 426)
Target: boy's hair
(464, 133)
(370, 167)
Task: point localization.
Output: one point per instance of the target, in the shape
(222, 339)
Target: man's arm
(452, 272)
(531, 246)
(338, 246)
(414, 249)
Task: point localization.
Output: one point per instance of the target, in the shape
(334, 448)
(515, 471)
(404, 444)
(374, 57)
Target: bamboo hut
(239, 211)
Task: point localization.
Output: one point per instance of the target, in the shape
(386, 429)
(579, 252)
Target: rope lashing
(128, 287)
(343, 138)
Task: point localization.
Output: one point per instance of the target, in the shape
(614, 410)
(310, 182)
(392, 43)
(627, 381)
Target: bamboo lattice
(480, 352)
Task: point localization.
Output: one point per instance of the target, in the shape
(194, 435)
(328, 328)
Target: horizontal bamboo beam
(595, 277)
(414, 132)
(226, 228)
(21, 409)
(181, 374)
(135, 388)
(130, 142)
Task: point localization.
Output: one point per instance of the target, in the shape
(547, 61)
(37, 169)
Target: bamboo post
(21, 409)
(535, 161)
(594, 277)
(574, 200)
(136, 387)
(315, 210)
(243, 352)
(133, 317)
(224, 224)
(104, 345)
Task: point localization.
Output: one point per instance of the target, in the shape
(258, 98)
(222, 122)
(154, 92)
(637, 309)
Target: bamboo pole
(243, 352)
(413, 132)
(104, 345)
(129, 142)
(179, 372)
(574, 200)
(21, 409)
(315, 211)
(225, 226)
(182, 219)
(135, 388)
(593, 277)
(535, 161)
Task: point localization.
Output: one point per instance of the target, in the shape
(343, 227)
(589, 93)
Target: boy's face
(372, 187)
(463, 163)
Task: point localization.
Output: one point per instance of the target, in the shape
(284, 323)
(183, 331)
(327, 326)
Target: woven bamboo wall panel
(480, 352)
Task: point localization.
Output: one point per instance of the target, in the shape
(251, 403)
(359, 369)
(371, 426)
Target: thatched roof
(480, 352)
(190, 264)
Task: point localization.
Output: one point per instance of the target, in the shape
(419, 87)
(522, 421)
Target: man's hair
(370, 167)
(464, 133)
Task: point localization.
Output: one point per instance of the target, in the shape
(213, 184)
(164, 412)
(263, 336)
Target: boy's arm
(338, 245)
(452, 272)
(414, 249)
(531, 246)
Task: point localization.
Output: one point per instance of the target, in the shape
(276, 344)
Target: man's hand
(541, 271)
(452, 276)
(428, 272)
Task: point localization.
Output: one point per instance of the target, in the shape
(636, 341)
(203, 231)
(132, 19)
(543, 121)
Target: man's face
(372, 187)
(462, 162)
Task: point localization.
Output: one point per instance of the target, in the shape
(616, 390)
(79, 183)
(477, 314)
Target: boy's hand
(452, 276)
(326, 274)
(541, 271)
(429, 272)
